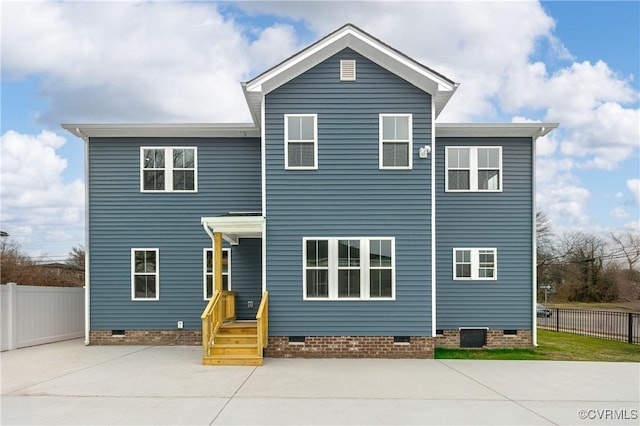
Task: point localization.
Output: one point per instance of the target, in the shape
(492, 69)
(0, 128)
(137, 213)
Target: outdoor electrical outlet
(180, 324)
(250, 304)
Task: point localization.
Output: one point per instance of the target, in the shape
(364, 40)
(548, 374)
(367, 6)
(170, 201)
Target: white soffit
(351, 37)
(163, 130)
(530, 130)
(240, 226)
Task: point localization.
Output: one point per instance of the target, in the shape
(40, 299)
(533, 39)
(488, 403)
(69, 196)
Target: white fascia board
(530, 130)
(164, 130)
(350, 37)
(238, 226)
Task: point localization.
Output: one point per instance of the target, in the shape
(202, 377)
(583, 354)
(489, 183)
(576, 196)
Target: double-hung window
(395, 141)
(475, 264)
(473, 168)
(301, 141)
(145, 274)
(348, 268)
(209, 271)
(168, 169)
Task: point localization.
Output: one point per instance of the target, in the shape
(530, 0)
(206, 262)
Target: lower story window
(145, 274)
(209, 271)
(349, 268)
(474, 264)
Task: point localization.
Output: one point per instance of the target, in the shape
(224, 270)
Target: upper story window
(395, 141)
(301, 141)
(474, 264)
(349, 268)
(168, 169)
(473, 168)
(209, 272)
(145, 274)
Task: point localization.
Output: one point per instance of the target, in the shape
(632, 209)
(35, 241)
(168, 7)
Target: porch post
(217, 261)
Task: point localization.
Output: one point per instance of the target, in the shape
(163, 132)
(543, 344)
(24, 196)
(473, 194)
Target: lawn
(555, 347)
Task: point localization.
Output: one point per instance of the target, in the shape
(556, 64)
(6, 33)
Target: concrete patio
(69, 383)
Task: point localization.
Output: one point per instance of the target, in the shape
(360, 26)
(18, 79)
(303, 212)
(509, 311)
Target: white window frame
(205, 274)
(134, 274)
(169, 169)
(314, 141)
(473, 169)
(475, 264)
(382, 141)
(333, 267)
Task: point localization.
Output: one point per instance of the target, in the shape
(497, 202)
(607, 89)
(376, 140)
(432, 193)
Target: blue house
(342, 222)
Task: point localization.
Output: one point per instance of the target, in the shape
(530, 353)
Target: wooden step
(232, 360)
(235, 339)
(242, 349)
(238, 328)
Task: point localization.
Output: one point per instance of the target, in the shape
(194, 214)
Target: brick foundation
(496, 339)
(147, 337)
(349, 347)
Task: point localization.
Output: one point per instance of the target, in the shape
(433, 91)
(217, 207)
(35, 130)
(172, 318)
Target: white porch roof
(235, 226)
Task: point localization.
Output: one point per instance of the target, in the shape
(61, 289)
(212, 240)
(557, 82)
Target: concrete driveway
(69, 383)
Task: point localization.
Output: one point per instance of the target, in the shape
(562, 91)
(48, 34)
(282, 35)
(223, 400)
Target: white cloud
(619, 213)
(38, 207)
(143, 62)
(564, 202)
(634, 187)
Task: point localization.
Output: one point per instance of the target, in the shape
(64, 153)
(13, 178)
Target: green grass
(554, 347)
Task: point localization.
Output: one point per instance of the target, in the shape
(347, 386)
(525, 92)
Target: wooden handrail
(220, 308)
(262, 320)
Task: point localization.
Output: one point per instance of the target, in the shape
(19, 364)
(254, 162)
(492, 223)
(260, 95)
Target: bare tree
(585, 269)
(75, 259)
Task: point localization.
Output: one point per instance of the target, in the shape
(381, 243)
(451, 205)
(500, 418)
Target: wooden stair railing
(221, 308)
(262, 320)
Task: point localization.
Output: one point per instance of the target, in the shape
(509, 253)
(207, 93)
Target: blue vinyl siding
(246, 276)
(348, 196)
(486, 220)
(121, 218)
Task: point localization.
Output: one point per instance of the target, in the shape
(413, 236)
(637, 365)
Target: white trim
(528, 130)
(433, 224)
(149, 130)
(213, 272)
(156, 274)
(87, 239)
(236, 226)
(364, 268)
(169, 168)
(473, 168)
(287, 141)
(263, 177)
(381, 141)
(534, 248)
(475, 263)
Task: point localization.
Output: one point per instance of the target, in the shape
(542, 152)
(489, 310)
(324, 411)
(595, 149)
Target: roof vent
(348, 70)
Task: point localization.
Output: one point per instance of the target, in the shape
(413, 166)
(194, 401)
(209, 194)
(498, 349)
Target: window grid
(145, 270)
(301, 141)
(168, 169)
(395, 151)
(473, 169)
(475, 264)
(348, 268)
(209, 272)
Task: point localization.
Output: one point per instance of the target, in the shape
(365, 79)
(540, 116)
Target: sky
(576, 63)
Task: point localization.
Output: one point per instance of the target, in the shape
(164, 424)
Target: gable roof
(349, 36)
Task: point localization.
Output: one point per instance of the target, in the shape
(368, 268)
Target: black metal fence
(612, 325)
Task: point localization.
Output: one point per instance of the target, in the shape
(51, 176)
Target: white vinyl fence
(33, 315)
